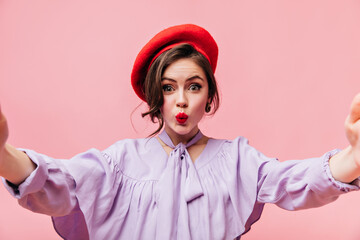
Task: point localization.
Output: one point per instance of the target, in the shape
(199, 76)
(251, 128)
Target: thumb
(354, 115)
(4, 131)
(352, 123)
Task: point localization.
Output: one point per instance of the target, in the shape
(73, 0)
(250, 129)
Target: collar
(167, 140)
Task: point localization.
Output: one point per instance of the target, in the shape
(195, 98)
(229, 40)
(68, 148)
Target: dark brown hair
(152, 85)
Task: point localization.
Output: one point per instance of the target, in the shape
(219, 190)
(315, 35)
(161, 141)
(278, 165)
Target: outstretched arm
(15, 166)
(345, 166)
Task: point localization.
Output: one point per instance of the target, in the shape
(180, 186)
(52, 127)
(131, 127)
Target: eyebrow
(189, 79)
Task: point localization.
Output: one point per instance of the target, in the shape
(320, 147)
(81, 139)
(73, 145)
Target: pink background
(287, 71)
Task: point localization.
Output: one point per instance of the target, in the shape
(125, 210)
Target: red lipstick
(181, 117)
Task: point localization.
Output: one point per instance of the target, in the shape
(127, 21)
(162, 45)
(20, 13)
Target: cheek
(166, 109)
(200, 106)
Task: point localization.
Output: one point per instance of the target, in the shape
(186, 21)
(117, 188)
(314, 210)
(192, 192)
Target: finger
(355, 109)
(2, 117)
(4, 130)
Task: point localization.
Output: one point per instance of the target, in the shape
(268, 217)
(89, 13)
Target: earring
(208, 107)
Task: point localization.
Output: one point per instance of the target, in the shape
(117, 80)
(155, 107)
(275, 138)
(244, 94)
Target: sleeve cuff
(34, 182)
(344, 187)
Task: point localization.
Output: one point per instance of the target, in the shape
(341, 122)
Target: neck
(178, 138)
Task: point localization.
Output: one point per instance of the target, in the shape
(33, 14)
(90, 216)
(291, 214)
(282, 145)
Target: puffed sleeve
(300, 184)
(56, 187)
(48, 190)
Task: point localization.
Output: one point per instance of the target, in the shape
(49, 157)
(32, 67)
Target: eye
(167, 88)
(195, 87)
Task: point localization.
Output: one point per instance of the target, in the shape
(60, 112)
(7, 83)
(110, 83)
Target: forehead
(184, 67)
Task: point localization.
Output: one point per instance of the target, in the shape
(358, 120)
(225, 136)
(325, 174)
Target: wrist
(15, 165)
(344, 167)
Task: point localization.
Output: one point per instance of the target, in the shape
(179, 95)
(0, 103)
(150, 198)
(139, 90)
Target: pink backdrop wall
(287, 72)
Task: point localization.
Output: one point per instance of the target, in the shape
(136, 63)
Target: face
(185, 90)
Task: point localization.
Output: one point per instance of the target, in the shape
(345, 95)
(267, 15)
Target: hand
(352, 128)
(4, 132)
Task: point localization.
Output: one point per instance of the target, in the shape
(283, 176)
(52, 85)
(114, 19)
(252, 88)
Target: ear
(208, 106)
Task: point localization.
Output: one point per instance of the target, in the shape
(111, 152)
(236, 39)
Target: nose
(181, 100)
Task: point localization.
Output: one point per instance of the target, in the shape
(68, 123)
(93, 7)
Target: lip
(181, 117)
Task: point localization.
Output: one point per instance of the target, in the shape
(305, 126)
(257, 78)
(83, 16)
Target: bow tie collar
(167, 140)
(178, 185)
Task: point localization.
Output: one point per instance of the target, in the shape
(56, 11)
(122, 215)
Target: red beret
(197, 36)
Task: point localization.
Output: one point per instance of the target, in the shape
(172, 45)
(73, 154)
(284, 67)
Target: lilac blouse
(134, 190)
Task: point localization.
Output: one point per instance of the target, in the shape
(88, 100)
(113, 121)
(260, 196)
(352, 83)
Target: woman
(179, 184)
